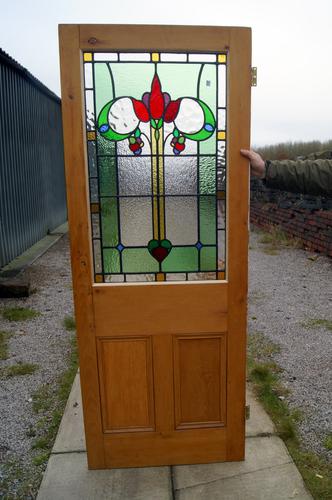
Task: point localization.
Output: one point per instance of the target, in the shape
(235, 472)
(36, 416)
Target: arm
(299, 176)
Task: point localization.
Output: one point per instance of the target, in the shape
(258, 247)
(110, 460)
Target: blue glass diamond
(120, 247)
(104, 128)
(198, 245)
(208, 127)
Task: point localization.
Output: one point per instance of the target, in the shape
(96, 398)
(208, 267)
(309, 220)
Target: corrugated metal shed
(32, 182)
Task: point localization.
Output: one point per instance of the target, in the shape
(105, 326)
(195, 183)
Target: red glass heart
(159, 253)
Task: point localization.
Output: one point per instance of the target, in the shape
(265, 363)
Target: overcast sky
(292, 48)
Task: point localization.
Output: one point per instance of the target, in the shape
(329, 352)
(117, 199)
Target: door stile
(78, 217)
(239, 89)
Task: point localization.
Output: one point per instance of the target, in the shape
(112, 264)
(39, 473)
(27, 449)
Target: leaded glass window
(156, 146)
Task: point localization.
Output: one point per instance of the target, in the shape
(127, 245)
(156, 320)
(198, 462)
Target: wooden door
(154, 118)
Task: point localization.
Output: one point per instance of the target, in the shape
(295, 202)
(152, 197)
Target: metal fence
(32, 182)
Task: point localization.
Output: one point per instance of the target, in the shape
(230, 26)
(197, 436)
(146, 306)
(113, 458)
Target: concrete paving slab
(260, 453)
(67, 478)
(277, 483)
(259, 423)
(71, 435)
(267, 472)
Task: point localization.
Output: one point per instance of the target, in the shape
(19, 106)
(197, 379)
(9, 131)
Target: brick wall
(305, 217)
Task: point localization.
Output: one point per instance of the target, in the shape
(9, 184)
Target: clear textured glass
(201, 276)
(97, 256)
(176, 277)
(172, 57)
(221, 119)
(95, 225)
(221, 153)
(94, 195)
(202, 57)
(114, 278)
(221, 249)
(190, 117)
(92, 160)
(181, 220)
(122, 117)
(89, 110)
(221, 179)
(134, 175)
(88, 77)
(222, 85)
(134, 56)
(139, 277)
(221, 214)
(105, 56)
(181, 175)
(135, 221)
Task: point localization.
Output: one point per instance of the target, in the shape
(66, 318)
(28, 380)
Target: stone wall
(308, 218)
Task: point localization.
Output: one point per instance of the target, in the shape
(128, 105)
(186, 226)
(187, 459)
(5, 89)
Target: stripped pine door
(154, 118)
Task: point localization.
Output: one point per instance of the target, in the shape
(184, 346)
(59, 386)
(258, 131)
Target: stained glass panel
(156, 144)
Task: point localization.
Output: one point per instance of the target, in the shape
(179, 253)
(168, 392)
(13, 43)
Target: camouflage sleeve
(300, 176)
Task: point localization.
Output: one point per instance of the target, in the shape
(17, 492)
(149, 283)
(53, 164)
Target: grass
(16, 481)
(49, 402)
(276, 239)
(21, 369)
(40, 444)
(264, 375)
(4, 337)
(69, 323)
(262, 348)
(19, 313)
(318, 323)
(40, 459)
(328, 441)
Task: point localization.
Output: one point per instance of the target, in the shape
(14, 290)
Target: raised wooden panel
(200, 381)
(126, 384)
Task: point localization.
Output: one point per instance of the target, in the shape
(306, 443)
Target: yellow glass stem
(158, 202)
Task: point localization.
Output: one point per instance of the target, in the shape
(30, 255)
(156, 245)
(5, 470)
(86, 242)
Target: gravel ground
(286, 291)
(43, 341)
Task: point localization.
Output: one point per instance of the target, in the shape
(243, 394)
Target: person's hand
(257, 163)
